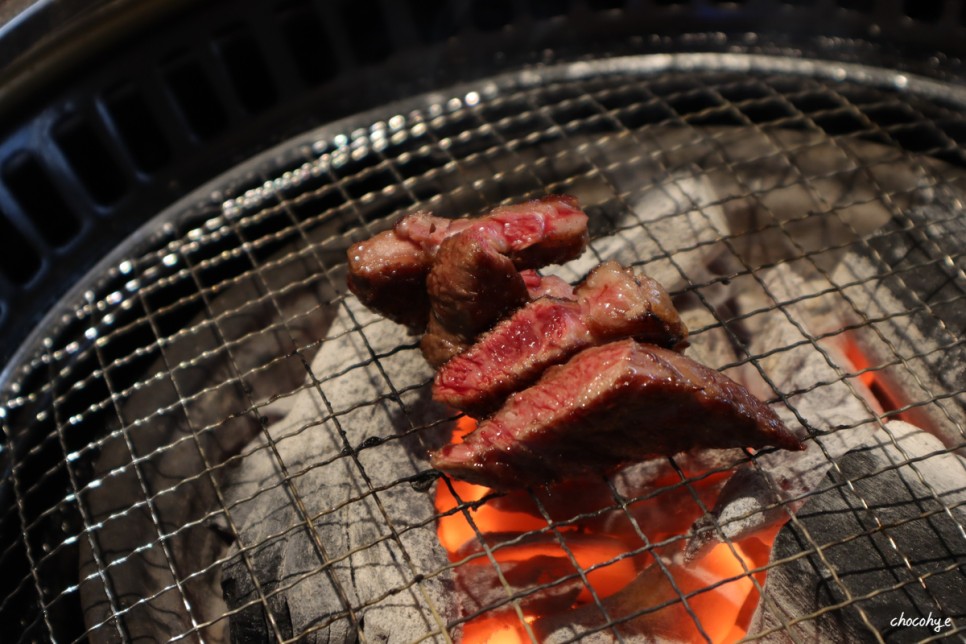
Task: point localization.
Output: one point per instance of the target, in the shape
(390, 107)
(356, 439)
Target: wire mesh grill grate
(131, 432)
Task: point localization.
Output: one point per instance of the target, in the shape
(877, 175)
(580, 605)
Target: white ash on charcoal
(191, 413)
(908, 268)
(836, 416)
(888, 519)
(656, 223)
(336, 525)
(769, 179)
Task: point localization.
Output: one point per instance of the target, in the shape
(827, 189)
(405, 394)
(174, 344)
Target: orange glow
(495, 629)
(875, 385)
(724, 612)
(588, 551)
(718, 609)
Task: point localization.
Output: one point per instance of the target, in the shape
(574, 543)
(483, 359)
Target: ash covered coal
(331, 526)
(189, 415)
(888, 519)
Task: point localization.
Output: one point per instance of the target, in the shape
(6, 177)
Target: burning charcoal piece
(480, 588)
(651, 608)
(612, 303)
(607, 406)
(179, 455)
(761, 493)
(324, 514)
(474, 280)
(388, 271)
(651, 588)
(884, 511)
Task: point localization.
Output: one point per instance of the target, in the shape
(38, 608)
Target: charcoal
(192, 394)
(678, 215)
(763, 491)
(874, 515)
(481, 589)
(647, 610)
(315, 496)
(920, 352)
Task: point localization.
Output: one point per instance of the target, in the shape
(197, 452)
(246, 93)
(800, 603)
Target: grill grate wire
(532, 114)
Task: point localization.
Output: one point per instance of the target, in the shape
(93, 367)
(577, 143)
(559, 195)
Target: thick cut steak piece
(612, 303)
(388, 271)
(475, 278)
(439, 344)
(608, 406)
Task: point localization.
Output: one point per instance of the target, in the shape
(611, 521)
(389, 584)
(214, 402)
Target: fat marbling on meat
(607, 406)
(611, 303)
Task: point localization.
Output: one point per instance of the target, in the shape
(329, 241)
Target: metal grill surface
(133, 422)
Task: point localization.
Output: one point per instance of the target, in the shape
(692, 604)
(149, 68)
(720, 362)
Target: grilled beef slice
(388, 271)
(439, 344)
(607, 406)
(475, 280)
(547, 286)
(610, 304)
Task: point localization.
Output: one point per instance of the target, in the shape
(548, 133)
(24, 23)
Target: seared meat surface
(607, 406)
(472, 285)
(610, 304)
(547, 286)
(388, 272)
(439, 345)
(475, 280)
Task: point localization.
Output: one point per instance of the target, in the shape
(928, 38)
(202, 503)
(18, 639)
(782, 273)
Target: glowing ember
(874, 387)
(542, 568)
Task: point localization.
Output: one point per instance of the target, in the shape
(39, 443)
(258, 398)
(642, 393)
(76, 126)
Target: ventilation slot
(366, 30)
(549, 8)
(862, 6)
(135, 122)
(434, 19)
(490, 15)
(924, 10)
(90, 159)
(192, 91)
(40, 200)
(247, 69)
(19, 260)
(304, 34)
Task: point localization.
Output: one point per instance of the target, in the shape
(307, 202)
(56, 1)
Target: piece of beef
(439, 345)
(610, 304)
(388, 271)
(607, 406)
(547, 286)
(472, 285)
(475, 277)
